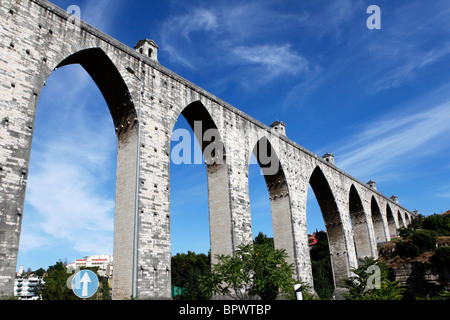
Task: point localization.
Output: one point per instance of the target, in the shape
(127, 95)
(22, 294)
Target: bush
(186, 272)
(425, 240)
(438, 223)
(442, 256)
(406, 232)
(371, 282)
(255, 270)
(434, 222)
(407, 249)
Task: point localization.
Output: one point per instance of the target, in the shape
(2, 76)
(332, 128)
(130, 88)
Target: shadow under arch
(391, 222)
(377, 220)
(214, 155)
(124, 115)
(408, 218)
(110, 82)
(278, 189)
(333, 224)
(401, 220)
(360, 225)
(206, 132)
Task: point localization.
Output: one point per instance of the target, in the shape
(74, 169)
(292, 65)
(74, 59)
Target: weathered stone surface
(422, 278)
(36, 36)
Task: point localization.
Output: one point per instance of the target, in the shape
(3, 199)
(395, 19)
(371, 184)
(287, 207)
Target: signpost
(85, 284)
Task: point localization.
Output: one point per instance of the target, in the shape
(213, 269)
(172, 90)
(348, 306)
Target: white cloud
(199, 20)
(100, 13)
(332, 18)
(66, 193)
(30, 241)
(406, 69)
(443, 192)
(396, 140)
(275, 60)
(413, 37)
(220, 28)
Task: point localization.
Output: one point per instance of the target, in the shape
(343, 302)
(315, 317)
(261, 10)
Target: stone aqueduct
(37, 37)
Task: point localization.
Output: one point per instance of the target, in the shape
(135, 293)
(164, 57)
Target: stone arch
(401, 219)
(124, 115)
(111, 84)
(206, 132)
(279, 197)
(214, 155)
(377, 220)
(360, 225)
(408, 217)
(333, 224)
(392, 225)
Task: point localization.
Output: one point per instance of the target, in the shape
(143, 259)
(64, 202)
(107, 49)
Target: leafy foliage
(56, 284)
(321, 266)
(421, 235)
(255, 270)
(407, 249)
(55, 287)
(361, 286)
(186, 272)
(442, 256)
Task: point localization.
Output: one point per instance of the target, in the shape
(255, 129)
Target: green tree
(321, 266)
(55, 287)
(104, 289)
(262, 239)
(406, 249)
(39, 272)
(371, 282)
(255, 270)
(424, 239)
(186, 272)
(417, 222)
(442, 256)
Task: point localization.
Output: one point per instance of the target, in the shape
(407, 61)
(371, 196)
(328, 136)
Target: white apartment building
(103, 262)
(27, 289)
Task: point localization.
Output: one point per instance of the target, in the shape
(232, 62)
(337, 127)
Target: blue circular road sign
(85, 284)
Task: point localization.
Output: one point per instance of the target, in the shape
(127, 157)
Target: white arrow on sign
(84, 282)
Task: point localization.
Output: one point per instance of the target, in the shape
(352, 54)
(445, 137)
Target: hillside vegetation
(420, 257)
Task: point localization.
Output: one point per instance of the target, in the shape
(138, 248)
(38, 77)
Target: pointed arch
(360, 225)
(206, 132)
(408, 217)
(377, 220)
(111, 84)
(278, 189)
(123, 112)
(333, 224)
(391, 222)
(214, 155)
(401, 219)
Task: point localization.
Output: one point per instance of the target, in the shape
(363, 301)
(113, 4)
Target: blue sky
(378, 99)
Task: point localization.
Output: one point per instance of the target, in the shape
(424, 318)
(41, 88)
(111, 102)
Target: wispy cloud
(220, 31)
(396, 139)
(271, 61)
(199, 20)
(412, 38)
(404, 70)
(443, 192)
(100, 13)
